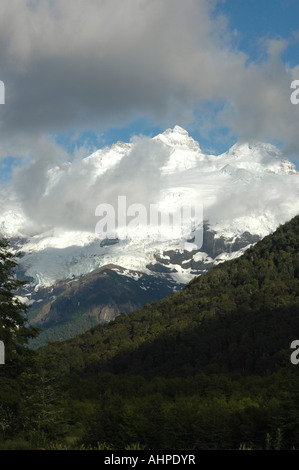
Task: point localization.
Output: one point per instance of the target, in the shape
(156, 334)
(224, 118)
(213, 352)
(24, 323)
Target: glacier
(251, 188)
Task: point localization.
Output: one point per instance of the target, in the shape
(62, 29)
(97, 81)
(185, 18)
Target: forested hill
(239, 317)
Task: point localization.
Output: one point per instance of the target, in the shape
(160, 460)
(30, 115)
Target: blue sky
(265, 19)
(80, 75)
(251, 24)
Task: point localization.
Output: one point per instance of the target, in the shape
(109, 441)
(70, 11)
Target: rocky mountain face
(78, 277)
(74, 305)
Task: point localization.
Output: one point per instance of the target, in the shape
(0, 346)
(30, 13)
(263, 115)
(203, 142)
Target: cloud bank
(76, 64)
(250, 189)
(66, 195)
(73, 65)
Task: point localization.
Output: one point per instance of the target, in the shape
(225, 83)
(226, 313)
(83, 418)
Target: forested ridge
(207, 368)
(241, 316)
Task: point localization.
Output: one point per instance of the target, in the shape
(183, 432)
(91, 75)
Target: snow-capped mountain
(251, 188)
(245, 193)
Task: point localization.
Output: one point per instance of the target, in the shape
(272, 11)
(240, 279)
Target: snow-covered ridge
(178, 137)
(252, 187)
(259, 157)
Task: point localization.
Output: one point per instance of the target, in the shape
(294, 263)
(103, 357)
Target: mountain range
(241, 315)
(207, 368)
(78, 278)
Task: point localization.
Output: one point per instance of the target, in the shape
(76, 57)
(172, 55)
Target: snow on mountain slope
(251, 188)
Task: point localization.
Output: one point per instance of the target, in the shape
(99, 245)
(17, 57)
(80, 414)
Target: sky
(81, 75)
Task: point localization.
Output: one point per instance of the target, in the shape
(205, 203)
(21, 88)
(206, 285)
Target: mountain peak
(253, 147)
(260, 157)
(179, 130)
(178, 137)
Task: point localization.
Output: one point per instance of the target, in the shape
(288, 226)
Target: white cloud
(252, 182)
(54, 192)
(74, 64)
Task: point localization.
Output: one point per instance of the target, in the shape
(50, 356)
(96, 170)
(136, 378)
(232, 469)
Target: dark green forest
(207, 368)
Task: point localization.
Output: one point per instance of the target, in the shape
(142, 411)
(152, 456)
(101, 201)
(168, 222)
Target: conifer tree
(14, 330)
